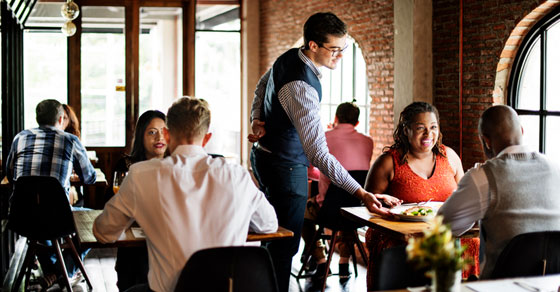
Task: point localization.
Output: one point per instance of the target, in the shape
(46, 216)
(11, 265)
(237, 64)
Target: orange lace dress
(411, 188)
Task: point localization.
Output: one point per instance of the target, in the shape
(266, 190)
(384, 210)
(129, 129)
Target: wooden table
(84, 228)
(402, 230)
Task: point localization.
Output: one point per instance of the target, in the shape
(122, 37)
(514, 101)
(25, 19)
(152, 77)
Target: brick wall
(370, 23)
(487, 26)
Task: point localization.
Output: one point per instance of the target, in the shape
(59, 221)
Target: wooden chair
(232, 269)
(40, 211)
(529, 254)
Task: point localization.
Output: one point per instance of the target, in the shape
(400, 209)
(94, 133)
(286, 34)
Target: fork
(424, 203)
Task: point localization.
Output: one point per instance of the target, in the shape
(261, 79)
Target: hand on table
(371, 202)
(258, 131)
(389, 200)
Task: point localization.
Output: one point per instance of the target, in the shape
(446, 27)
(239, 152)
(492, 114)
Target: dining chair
(529, 254)
(393, 271)
(40, 211)
(331, 218)
(232, 269)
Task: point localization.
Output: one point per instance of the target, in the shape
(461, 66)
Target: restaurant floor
(100, 265)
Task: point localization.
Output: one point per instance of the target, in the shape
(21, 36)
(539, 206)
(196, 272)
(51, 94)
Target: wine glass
(118, 180)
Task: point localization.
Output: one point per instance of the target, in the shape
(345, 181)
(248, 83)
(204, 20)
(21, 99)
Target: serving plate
(397, 211)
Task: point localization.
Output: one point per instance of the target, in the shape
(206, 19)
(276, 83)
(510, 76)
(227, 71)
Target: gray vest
(524, 197)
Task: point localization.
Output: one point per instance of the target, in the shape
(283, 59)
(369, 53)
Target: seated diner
(416, 168)
(185, 202)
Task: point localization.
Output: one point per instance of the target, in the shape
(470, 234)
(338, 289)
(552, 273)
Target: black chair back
(529, 254)
(234, 268)
(336, 198)
(39, 209)
(392, 271)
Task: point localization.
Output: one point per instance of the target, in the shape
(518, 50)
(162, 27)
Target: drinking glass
(118, 180)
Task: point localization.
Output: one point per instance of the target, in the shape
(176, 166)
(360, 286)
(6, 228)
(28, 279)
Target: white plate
(397, 211)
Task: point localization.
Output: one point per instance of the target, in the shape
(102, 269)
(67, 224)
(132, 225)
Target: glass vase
(446, 280)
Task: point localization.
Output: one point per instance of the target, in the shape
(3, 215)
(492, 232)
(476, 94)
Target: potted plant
(439, 252)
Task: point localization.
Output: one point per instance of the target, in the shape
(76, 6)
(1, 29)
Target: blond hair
(189, 117)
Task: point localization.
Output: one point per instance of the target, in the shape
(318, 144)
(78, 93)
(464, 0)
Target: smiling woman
(416, 168)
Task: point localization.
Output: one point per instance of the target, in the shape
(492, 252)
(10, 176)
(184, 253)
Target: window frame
(132, 37)
(539, 30)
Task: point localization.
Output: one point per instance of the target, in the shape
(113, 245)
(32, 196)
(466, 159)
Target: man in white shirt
(513, 192)
(187, 201)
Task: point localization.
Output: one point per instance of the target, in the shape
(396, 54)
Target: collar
(53, 128)
(189, 149)
(514, 149)
(309, 63)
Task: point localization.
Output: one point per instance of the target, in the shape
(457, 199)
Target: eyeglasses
(334, 52)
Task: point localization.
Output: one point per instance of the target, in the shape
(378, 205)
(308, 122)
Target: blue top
(48, 151)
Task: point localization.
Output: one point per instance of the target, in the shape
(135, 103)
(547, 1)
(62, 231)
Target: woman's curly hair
(405, 120)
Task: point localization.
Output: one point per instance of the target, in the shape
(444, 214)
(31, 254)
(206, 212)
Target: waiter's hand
(258, 131)
(371, 202)
(389, 200)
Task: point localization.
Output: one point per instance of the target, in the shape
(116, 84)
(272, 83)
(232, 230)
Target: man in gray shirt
(513, 192)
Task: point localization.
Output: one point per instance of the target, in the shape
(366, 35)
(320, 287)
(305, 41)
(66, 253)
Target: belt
(261, 147)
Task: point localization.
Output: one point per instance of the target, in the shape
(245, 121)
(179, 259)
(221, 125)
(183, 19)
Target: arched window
(348, 81)
(534, 86)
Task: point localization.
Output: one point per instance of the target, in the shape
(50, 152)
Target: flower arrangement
(438, 252)
(437, 248)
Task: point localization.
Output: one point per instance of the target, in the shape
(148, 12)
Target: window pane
(347, 65)
(46, 14)
(336, 84)
(552, 146)
(43, 77)
(362, 92)
(161, 57)
(103, 76)
(529, 89)
(552, 68)
(530, 131)
(218, 17)
(325, 112)
(217, 79)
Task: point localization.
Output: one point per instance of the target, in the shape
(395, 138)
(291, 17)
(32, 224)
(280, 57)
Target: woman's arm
(380, 174)
(455, 163)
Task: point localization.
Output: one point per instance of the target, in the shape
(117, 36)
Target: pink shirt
(352, 149)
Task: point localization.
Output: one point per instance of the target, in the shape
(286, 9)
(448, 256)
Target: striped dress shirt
(48, 151)
(300, 101)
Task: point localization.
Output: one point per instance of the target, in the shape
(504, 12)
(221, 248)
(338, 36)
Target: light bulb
(68, 28)
(70, 10)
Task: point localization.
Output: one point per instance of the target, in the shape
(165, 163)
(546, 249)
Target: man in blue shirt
(49, 151)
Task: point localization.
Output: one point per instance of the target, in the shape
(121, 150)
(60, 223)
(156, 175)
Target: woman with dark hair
(132, 262)
(71, 125)
(148, 141)
(70, 121)
(416, 168)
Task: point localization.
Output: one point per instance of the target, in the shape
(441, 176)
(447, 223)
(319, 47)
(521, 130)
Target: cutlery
(529, 287)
